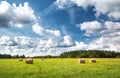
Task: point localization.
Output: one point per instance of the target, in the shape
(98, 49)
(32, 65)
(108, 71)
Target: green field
(58, 68)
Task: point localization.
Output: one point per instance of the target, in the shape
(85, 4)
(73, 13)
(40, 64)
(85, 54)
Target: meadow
(60, 68)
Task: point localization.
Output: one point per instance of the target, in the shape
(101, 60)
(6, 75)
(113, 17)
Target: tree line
(10, 56)
(90, 54)
(74, 54)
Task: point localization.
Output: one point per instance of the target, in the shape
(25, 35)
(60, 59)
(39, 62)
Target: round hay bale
(42, 58)
(81, 60)
(29, 61)
(93, 60)
(20, 59)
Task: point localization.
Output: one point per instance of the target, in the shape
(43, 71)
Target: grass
(57, 68)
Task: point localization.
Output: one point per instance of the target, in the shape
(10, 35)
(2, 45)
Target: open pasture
(60, 68)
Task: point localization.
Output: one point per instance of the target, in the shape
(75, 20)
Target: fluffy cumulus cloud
(82, 3)
(57, 43)
(46, 32)
(53, 35)
(109, 7)
(7, 41)
(15, 45)
(106, 43)
(12, 15)
(80, 45)
(109, 35)
(91, 27)
(67, 41)
(96, 28)
(32, 47)
(51, 42)
(108, 31)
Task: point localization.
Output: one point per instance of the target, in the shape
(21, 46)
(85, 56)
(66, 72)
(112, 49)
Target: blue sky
(51, 27)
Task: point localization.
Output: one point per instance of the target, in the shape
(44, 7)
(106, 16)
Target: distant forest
(90, 54)
(74, 54)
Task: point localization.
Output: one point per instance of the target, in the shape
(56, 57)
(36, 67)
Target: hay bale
(29, 61)
(93, 60)
(81, 60)
(42, 58)
(20, 59)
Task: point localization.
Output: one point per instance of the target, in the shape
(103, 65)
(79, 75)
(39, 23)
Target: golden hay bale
(93, 60)
(29, 61)
(81, 60)
(20, 59)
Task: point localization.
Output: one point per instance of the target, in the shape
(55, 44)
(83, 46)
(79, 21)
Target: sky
(51, 27)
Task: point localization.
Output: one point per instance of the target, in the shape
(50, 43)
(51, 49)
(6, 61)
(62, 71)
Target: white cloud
(96, 28)
(67, 41)
(105, 43)
(52, 41)
(19, 41)
(57, 43)
(82, 3)
(46, 32)
(38, 29)
(16, 45)
(91, 27)
(62, 4)
(12, 15)
(24, 42)
(109, 7)
(7, 41)
(112, 25)
(109, 31)
(80, 45)
(53, 36)
(32, 47)
(97, 44)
